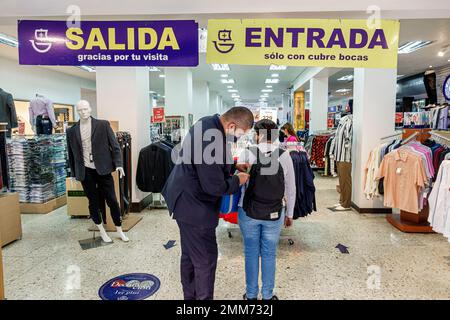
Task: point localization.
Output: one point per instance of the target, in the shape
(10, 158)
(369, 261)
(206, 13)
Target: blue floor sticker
(133, 286)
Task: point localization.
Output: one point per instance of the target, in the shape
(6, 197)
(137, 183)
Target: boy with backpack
(261, 207)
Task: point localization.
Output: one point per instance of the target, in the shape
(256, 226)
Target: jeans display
(95, 184)
(261, 239)
(37, 167)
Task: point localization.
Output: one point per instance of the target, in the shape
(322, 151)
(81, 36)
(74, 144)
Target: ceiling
(249, 80)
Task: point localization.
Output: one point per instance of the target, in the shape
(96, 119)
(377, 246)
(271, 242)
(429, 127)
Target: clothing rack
(392, 136)
(408, 221)
(442, 139)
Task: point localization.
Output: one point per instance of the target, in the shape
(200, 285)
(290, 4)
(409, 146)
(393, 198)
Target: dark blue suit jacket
(193, 191)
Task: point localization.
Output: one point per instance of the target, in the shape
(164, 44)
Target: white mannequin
(84, 111)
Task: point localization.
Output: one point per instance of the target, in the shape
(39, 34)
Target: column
(213, 102)
(318, 105)
(128, 101)
(179, 93)
(374, 92)
(200, 99)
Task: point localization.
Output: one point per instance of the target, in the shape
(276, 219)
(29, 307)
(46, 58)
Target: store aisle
(46, 263)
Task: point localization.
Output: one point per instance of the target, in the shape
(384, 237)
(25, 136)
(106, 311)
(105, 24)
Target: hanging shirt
(41, 106)
(404, 176)
(342, 146)
(439, 200)
(86, 133)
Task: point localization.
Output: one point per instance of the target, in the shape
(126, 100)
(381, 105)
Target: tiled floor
(46, 262)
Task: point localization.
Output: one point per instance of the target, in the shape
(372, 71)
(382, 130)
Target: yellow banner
(303, 42)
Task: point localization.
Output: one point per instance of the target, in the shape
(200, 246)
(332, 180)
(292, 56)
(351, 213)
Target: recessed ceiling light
(224, 75)
(220, 67)
(431, 66)
(153, 69)
(232, 90)
(230, 87)
(8, 40)
(162, 75)
(266, 90)
(348, 77)
(268, 86)
(274, 67)
(272, 80)
(412, 46)
(275, 75)
(227, 81)
(441, 53)
(87, 68)
(343, 90)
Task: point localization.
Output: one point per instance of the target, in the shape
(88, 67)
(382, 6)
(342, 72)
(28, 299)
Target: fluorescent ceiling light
(343, 90)
(87, 68)
(8, 40)
(399, 75)
(348, 77)
(274, 67)
(266, 90)
(412, 46)
(275, 75)
(224, 75)
(233, 90)
(309, 90)
(441, 53)
(235, 96)
(269, 87)
(162, 75)
(153, 69)
(220, 67)
(431, 66)
(230, 87)
(227, 81)
(272, 80)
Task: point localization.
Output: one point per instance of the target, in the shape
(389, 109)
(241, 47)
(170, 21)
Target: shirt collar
(401, 155)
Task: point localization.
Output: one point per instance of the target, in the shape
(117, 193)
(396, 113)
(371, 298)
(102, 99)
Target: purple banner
(109, 43)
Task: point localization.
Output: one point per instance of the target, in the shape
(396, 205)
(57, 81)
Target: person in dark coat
(193, 191)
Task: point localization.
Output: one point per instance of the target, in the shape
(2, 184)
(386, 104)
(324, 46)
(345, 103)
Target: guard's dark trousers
(198, 261)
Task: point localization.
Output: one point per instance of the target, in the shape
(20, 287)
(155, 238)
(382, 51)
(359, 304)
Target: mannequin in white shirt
(84, 111)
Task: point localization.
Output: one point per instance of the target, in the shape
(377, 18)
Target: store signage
(134, 286)
(109, 43)
(268, 113)
(303, 42)
(158, 115)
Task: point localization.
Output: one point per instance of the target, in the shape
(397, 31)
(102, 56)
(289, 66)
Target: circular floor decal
(133, 286)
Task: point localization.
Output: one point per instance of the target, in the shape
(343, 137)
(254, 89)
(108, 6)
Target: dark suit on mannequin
(106, 156)
(8, 111)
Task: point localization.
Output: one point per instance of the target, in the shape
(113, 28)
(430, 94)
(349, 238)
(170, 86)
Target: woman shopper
(289, 131)
(261, 207)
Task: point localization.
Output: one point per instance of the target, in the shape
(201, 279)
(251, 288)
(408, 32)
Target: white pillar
(213, 102)
(374, 92)
(200, 99)
(220, 105)
(318, 106)
(128, 102)
(178, 92)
